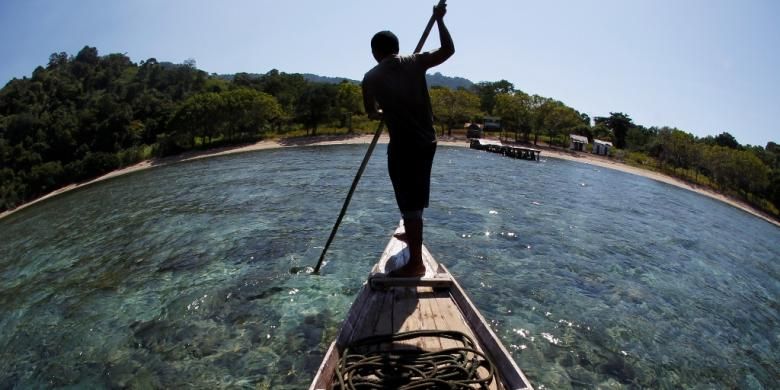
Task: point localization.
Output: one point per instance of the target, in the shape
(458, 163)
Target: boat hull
(434, 302)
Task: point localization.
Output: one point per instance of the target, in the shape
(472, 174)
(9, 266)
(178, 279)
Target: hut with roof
(601, 147)
(578, 142)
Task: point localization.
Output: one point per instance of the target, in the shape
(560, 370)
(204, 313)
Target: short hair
(385, 42)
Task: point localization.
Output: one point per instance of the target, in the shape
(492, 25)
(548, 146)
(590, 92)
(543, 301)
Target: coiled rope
(364, 365)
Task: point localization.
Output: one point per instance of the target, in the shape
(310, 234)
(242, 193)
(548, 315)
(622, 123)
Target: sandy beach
(586, 158)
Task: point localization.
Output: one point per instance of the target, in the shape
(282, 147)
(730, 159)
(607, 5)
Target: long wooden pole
(428, 28)
(368, 156)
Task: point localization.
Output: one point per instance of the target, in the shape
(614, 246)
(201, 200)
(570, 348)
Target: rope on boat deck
(407, 369)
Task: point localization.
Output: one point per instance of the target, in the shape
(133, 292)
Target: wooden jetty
(520, 152)
(391, 310)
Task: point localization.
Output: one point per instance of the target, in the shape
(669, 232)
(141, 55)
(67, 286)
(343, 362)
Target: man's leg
(411, 177)
(413, 225)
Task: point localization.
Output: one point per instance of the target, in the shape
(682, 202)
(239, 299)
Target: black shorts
(410, 172)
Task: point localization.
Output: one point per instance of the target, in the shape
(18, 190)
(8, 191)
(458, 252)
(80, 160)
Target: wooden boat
(435, 304)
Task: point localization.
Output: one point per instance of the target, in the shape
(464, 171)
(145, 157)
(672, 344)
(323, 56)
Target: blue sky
(704, 66)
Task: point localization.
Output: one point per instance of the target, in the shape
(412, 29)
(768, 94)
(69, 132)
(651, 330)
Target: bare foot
(401, 237)
(409, 270)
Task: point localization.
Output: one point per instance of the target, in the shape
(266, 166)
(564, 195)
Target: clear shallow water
(179, 276)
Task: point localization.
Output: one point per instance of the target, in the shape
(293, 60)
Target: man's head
(383, 44)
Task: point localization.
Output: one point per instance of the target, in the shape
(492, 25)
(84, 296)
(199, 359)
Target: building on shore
(578, 142)
(491, 123)
(473, 130)
(601, 147)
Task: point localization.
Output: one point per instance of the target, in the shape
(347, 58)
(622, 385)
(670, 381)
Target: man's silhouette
(397, 86)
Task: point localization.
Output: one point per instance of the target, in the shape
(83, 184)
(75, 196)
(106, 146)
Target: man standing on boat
(397, 86)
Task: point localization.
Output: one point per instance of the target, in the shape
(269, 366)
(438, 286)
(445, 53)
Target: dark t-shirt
(399, 87)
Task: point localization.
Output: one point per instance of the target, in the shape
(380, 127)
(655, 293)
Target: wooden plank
(324, 377)
(364, 302)
(366, 326)
(394, 247)
(361, 310)
(450, 317)
(384, 318)
(381, 282)
(454, 321)
(429, 318)
(406, 315)
(453, 318)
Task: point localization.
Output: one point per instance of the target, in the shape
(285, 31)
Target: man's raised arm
(447, 48)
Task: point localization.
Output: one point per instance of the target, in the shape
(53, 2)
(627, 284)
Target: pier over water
(507, 150)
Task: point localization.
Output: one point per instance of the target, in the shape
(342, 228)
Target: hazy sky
(704, 66)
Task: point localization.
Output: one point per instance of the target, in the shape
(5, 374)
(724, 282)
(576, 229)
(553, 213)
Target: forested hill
(439, 80)
(434, 80)
(83, 115)
(326, 79)
(313, 78)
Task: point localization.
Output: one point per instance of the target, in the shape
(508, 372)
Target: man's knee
(412, 215)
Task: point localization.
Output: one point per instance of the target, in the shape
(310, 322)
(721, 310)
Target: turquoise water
(179, 276)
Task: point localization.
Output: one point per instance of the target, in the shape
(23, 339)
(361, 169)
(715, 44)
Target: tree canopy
(453, 108)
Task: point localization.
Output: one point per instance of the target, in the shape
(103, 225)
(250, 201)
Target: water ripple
(180, 276)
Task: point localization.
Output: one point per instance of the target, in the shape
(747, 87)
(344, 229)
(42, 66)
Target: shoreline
(585, 158)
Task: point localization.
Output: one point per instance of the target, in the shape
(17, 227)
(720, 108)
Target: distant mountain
(434, 80)
(439, 80)
(326, 79)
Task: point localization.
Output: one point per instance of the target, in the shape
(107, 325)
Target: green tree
(487, 92)
(287, 89)
(677, 147)
(557, 120)
(95, 164)
(640, 138)
(736, 169)
(246, 112)
(152, 108)
(12, 188)
(349, 102)
(619, 124)
(752, 174)
(316, 106)
(57, 60)
(453, 107)
(45, 177)
(539, 108)
(246, 80)
(727, 140)
(112, 128)
(201, 115)
(515, 112)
